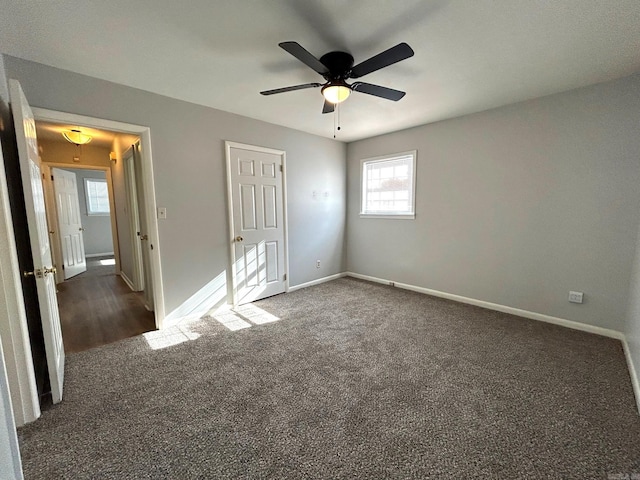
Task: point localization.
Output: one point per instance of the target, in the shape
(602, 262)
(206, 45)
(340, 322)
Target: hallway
(97, 307)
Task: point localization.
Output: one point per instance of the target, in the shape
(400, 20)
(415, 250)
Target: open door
(143, 233)
(39, 236)
(134, 218)
(69, 222)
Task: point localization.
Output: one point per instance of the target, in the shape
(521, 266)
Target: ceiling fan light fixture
(336, 93)
(76, 137)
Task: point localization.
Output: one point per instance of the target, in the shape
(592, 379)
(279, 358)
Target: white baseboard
(105, 254)
(316, 282)
(127, 280)
(635, 382)
(499, 308)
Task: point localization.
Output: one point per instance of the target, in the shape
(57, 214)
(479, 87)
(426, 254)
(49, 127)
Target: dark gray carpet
(356, 380)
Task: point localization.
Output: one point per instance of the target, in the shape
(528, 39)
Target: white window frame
(384, 158)
(90, 212)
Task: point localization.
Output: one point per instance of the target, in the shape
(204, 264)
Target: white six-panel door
(69, 222)
(257, 222)
(39, 236)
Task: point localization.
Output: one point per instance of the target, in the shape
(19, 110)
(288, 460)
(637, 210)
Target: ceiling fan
(337, 68)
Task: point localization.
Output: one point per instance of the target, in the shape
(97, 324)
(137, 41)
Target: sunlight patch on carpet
(232, 321)
(255, 315)
(244, 316)
(169, 336)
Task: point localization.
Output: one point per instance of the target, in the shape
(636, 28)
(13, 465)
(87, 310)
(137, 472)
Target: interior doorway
(89, 213)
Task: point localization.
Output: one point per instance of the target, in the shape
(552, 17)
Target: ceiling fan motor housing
(339, 65)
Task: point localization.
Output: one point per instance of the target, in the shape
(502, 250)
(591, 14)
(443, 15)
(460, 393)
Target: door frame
(51, 203)
(232, 292)
(148, 186)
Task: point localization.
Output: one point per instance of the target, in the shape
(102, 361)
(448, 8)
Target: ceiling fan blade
(328, 107)
(378, 91)
(298, 51)
(393, 55)
(291, 89)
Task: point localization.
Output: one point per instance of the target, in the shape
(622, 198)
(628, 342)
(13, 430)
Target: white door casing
(146, 180)
(69, 222)
(39, 236)
(257, 222)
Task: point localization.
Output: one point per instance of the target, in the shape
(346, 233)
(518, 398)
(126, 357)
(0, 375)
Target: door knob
(81, 229)
(48, 270)
(239, 239)
(36, 273)
(144, 237)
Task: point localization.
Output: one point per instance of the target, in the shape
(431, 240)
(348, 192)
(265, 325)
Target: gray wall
(189, 168)
(97, 228)
(516, 205)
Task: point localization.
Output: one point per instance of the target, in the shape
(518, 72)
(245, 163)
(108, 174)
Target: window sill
(392, 216)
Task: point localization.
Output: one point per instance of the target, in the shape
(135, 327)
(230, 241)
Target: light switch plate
(162, 212)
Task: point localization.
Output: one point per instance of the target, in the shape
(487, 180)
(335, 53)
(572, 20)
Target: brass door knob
(48, 270)
(239, 239)
(36, 273)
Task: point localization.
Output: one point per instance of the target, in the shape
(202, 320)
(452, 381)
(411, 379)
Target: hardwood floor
(97, 307)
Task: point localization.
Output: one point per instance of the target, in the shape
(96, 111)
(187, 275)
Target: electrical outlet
(317, 263)
(575, 297)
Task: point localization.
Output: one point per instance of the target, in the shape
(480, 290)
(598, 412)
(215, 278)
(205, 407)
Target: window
(97, 196)
(388, 186)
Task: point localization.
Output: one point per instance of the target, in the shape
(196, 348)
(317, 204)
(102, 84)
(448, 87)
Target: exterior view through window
(388, 186)
(97, 196)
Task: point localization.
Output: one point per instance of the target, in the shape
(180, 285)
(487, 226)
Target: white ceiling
(471, 55)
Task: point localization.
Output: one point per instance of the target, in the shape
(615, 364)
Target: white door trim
(147, 182)
(228, 145)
